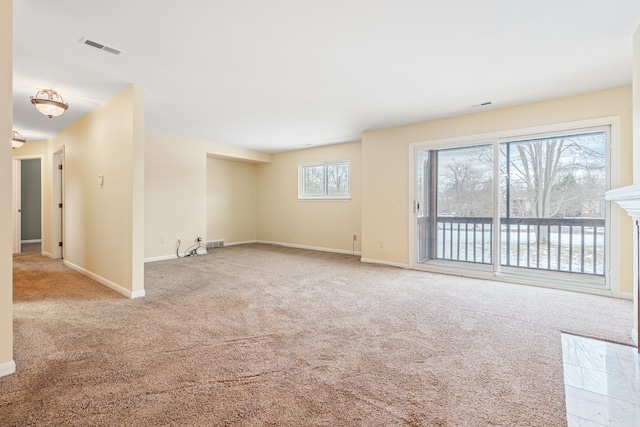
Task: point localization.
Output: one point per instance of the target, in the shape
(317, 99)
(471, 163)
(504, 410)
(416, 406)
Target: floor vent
(215, 244)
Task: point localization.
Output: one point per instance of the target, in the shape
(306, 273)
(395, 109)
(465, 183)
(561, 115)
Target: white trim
(47, 254)
(174, 256)
(536, 131)
(160, 258)
(612, 226)
(622, 295)
(627, 197)
(31, 241)
(30, 157)
(324, 199)
(42, 185)
(497, 230)
(520, 280)
(634, 336)
(57, 196)
(7, 368)
(16, 204)
(379, 262)
(138, 294)
(495, 138)
(248, 242)
(301, 167)
(312, 248)
(105, 282)
(413, 211)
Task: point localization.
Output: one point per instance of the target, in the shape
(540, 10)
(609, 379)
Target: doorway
(27, 201)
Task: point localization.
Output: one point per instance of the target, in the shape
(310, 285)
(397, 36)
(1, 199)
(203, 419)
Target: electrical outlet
(355, 238)
(163, 240)
(381, 244)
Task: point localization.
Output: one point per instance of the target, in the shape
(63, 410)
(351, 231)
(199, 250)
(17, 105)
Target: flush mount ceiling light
(17, 140)
(49, 103)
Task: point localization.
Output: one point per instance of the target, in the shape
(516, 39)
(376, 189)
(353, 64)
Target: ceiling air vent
(100, 46)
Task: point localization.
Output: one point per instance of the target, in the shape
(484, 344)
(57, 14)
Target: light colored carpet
(259, 335)
(31, 247)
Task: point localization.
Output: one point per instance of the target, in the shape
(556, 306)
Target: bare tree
(465, 186)
(538, 164)
(555, 173)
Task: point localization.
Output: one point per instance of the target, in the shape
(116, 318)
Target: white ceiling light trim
(17, 140)
(49, 106)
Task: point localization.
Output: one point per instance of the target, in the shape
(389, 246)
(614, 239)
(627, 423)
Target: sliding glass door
(514, 204)
(554, 212)
(455, 204)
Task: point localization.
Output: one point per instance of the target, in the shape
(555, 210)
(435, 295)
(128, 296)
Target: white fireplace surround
(629, 199)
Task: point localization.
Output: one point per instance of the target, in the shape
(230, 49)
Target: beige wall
(327, 225)
(103, 223)
(385, 165)
(176, 190)
(636, 150)
(7, 365)
(231, 201)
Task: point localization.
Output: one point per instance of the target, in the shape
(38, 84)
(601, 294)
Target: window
(324, 180)
(512, 204)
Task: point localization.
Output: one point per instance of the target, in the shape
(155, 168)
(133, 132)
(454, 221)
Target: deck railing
(557, 244)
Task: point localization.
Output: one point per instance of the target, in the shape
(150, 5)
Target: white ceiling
(279, 75)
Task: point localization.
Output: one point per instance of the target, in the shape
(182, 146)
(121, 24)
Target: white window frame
(612, 267)
(325, 196)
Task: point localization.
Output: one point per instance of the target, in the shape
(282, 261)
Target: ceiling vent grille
(100, 46)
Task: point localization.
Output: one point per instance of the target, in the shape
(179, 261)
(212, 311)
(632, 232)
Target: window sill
(324, 199)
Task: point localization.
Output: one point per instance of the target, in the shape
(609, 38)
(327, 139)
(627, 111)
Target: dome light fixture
(17, 140)
(49, 103)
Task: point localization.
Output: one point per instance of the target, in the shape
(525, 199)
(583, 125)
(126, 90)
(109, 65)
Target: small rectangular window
(324, 180)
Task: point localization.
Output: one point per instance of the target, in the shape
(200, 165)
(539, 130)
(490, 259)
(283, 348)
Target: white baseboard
(137, 294)
(312, 248)
(48, 254)
(31, 241)
(622, 295)
(634, 336)
(7, 368)
(391, 264)
(109, 284)
(160, 258)
(248, 242)
(174, 256)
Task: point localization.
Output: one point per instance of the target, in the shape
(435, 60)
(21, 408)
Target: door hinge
(60, 205)
(60, 244)
(60, 167)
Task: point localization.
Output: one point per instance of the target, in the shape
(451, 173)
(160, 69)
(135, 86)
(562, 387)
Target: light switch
(100, 179)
